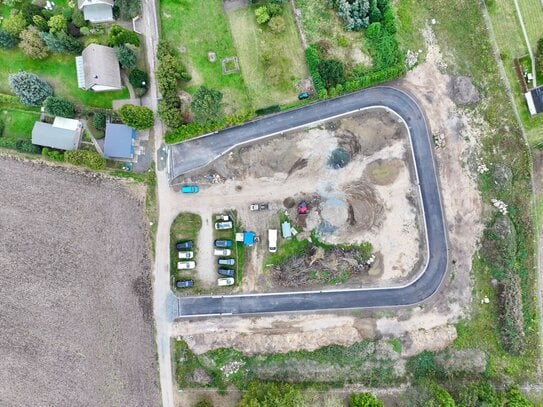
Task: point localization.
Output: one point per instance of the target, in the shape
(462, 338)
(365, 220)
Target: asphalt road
(199, 152)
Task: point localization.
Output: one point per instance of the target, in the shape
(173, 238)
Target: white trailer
(272, 240)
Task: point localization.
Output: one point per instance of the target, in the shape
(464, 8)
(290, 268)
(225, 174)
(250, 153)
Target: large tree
(206, 105)
(14, 24)
(119, 36)
(61, 43)
(30, 88)
(331, 71)
(58, 106)
(138, 117)
(128, 9)
(32, 44)
(126, 56)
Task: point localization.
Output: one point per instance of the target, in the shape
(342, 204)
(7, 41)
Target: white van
(225, 281)
(272, 240)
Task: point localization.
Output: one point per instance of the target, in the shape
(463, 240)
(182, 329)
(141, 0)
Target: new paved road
(196, 153)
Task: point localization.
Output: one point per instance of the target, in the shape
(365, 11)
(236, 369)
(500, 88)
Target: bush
(29, 10)
(364, 400)
(61, 43)
(331, 72)
(539, 55)
(169, 111)
(138, 79)
(422, 365)
(313, 61)
(204, 402)
(511, 318)
(87, 158)
(99, 120)
(7, 41)
(354, 13)
(30, 88)
(31, 43)
(138, 117)
(128, 9)
(268, 110)
(9, 99)
(119, 36)
(271, 394)
(2, 127)
(26, 146)
(206, 105)
(262, 15)
(168, 72)
(78, 19)
(277, 24)
(126, 56)
(57, 24)
(165, 48)
(516, 399)
(59, 106)
(54, 155)
(14, 24)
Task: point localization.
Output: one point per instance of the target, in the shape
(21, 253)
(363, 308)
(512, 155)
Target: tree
(516, 399)
(331, 71)
(61, 43)
(364, 400)
(40, 23)
(169, 111)
(57, 24)
(59, 106)
(14, 24)
(30, 88)
(271, 395)
(78, 19)
(274, 9)
(168, 72)
(29, 10)
(126, 56)
(138, 79)
(262, 15)
(128, 9)
(119, 36)
(206, 105)
(7, 41)
(99, 120)
(204, 402)
(31, 43)
(374, 13)
(277, 24)
(138, 117)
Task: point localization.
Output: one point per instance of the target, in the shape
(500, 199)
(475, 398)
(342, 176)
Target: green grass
(532, 14)
(19, 124)
(287, 59)
(59, 70)
(184, 227)
(200, 27)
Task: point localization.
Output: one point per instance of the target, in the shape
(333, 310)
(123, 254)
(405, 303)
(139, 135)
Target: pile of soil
(462, 91)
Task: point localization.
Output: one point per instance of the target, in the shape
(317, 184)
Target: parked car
(185, 265)
(224, 218)
(223, 225)
(184, 245)
(259, 207)
(303, 95)
(226, 272)
(303, 208)
(184, 283)
(227, 262)
(186, 255)
(223, 243)
(189, 189)
(225, 281)
(222, 252)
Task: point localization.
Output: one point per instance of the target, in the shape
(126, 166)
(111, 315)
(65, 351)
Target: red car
(303, 208)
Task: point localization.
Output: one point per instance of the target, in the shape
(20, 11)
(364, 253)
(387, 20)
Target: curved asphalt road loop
(197, 153)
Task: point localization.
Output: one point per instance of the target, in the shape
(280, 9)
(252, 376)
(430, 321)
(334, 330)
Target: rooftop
(118, 142)
(49, 135)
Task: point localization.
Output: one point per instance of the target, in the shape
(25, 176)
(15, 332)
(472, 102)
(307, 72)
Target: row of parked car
(185, 253)
(223, 248)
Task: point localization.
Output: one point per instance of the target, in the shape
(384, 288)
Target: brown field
(76, 326)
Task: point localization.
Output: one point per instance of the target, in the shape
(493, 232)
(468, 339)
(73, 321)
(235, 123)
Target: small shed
(63, 134)
(534, 100)
(119, 141)
(286, 230)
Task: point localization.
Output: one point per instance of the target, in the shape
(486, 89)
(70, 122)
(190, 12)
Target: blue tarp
(248, 238)
(285, 230)
(118, 142)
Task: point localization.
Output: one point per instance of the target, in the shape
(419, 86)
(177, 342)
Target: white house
(96, 11)
(98, 69)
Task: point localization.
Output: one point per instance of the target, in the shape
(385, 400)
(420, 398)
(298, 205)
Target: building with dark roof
(63, 134)
(119, 142)
(534, 99)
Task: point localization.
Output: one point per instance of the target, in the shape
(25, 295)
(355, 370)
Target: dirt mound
(335, 211)
(462, 91)
(367, 206)
(383, 172)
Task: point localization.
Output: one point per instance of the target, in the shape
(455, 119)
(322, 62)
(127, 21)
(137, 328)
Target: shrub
(511, 318)
(422, 365)
(29, 10)
(30, 88)
(169, 111)
(204, 402)
(31, 43)
(168, 72)
(119, 36)
(138, 79)
(262, 15)
(87, 158)
(61, 43)
(26, 146)
(2, 127)
(364, 400)
(128, 9)
(165, 48)
(274, 9)
(268, 110)
(74, 31)
(206, 105)
(85, 30)
(331, 72)
(313, 61)
(9, 99)
(59, 106)
(14, 24)
(78, 19)
(277, 24)
(271, 394)
(67, 13)
(126, 56)
(54, 155)
(138, 117)
(99, 120)
(354, 13)
(40, 23)
(57, 24)
(539, 55)
(7, 41)
(516, 399)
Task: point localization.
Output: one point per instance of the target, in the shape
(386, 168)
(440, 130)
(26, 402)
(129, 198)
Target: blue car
(223, 243)
(189, 189)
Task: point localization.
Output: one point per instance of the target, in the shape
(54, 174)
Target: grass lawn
(185, 227)
(59, 70)
(200, 27)
(18, 124)
(320, 22)
(532, 14)
(274, 82)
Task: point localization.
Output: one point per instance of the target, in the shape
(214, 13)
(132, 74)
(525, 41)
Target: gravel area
(76, 321)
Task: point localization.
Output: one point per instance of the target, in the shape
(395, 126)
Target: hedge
(313, 61)
(268, 110)
(87, 158)
(511, 318)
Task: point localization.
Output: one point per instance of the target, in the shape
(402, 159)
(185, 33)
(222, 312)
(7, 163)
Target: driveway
(197, 153)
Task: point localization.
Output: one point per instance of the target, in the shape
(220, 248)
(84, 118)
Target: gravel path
(76, 326)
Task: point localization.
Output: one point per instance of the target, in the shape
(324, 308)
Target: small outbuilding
(534, 100)
(248, 238)
(286, 230)
(63, 134)
(96, 11)
(119, 142)
(98, 69)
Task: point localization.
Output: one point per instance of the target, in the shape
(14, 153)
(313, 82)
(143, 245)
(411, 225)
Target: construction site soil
(76, 326)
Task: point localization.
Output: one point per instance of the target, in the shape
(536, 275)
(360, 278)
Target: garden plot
(371, 199)
(75, 290)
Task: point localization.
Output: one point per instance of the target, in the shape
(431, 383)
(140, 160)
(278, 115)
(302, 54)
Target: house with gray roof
(534, 100)
(96, 11)
(98, 69)
(119, 142)
(63, 134)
